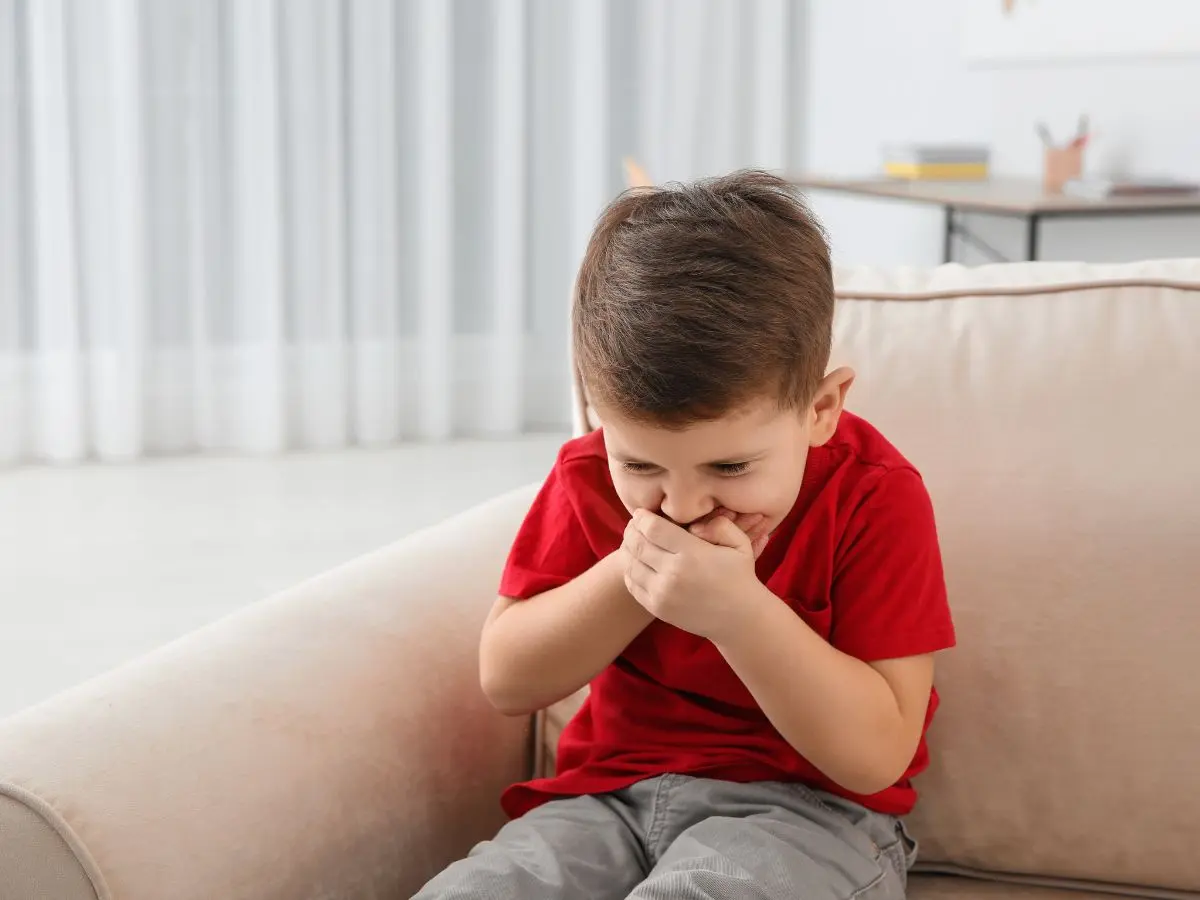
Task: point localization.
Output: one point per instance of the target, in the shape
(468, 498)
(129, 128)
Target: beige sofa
(332, 742)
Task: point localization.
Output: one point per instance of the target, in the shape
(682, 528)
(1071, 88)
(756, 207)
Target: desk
(1014, 198)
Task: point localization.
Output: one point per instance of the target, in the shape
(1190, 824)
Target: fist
(695, 579)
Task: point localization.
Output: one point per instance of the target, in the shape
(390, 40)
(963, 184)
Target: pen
(1081, 132)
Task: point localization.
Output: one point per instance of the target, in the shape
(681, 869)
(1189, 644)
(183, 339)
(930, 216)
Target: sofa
(333, 742)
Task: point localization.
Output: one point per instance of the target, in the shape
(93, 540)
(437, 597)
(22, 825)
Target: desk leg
(948, 236)
(1031, 235)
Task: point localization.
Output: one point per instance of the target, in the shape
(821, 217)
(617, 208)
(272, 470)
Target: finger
(759, 544)
(724, 533)
(639, 548)
(749, 522)
(660, 532)
(636, 592)
(639, 575)
(699, 523)
(702, 528)
(759, 530)
(753, 525)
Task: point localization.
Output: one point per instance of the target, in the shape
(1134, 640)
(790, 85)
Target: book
(936, 154)
(936, 171)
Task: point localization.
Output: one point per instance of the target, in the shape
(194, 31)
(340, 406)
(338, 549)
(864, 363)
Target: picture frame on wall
(1007, 32)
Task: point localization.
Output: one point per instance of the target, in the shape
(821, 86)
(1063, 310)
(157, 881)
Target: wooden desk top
(1006, 196)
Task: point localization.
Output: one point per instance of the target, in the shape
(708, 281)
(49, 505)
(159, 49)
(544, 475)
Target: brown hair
(694, 298)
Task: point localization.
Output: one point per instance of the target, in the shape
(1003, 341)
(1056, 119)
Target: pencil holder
(1060, 165)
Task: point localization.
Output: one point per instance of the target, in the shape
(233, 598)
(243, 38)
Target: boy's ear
(827, 405)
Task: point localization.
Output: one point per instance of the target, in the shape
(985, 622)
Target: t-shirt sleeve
(889, 592)
(573, 523)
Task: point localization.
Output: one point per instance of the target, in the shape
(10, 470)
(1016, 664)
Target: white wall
(882, 71)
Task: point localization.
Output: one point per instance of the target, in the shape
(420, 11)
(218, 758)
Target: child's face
(748, 461)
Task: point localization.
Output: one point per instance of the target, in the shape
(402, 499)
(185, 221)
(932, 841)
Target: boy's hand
(695, 581)
(754, 525)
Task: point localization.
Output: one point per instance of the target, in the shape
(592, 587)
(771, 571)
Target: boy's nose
(683, 512)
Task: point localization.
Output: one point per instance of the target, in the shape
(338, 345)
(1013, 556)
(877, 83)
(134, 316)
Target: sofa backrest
(1054, 411)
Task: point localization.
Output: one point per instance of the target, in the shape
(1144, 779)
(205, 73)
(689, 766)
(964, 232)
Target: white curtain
(259, 225)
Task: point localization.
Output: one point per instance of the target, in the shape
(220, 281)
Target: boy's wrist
(749, 615)
(614, 566)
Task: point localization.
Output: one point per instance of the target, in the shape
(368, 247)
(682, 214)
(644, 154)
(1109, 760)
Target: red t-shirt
(857, 558)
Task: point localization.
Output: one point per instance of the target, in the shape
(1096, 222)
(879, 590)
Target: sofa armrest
(330, 742)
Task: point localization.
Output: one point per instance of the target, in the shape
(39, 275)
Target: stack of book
(937, 162)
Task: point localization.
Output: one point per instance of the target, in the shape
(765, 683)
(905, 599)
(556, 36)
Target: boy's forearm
(834, 709)
(540, 650)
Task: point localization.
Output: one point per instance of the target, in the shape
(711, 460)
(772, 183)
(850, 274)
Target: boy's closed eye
(728, 469)
(732, 468)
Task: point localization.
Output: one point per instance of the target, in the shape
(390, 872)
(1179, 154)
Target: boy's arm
(857, 722)
(535, 652)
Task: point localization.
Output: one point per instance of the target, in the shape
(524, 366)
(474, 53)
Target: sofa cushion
(945, 887)
(1054, 410)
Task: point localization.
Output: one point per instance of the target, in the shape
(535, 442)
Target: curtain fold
(257, 226)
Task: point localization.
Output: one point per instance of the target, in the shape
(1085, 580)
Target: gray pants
(678, 838)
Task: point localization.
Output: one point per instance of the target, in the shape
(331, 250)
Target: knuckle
(671, 574)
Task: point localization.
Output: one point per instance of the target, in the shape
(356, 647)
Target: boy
(748, 577)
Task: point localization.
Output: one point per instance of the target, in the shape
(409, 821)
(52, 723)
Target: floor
(99, 564)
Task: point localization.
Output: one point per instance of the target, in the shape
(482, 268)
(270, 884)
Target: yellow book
(937, 171)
